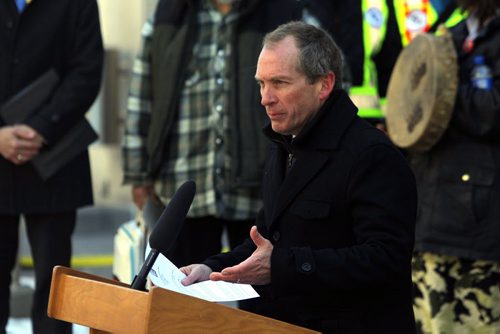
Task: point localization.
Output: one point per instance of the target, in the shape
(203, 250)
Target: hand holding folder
(25, 103)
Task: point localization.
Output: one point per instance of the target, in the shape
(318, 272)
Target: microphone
(166, 230)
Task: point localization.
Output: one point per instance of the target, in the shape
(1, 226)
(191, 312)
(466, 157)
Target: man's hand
(20, 143)
(195, 273)
(141, 193)
(255, 270)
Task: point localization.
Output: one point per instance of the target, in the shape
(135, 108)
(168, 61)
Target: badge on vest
(374, 17)
(416, 21)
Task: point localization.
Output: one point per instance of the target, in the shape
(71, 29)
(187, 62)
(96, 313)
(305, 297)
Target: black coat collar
(312, 148)
(325, 130)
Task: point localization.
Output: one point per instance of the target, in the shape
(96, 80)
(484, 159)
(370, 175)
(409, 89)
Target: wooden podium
(108, 306)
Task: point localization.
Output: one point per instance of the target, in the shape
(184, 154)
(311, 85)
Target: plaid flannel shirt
(196, 147)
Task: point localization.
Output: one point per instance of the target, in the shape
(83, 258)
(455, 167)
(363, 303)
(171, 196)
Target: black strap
(444, 16)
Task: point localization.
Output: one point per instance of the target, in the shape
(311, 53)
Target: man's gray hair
(318, 53)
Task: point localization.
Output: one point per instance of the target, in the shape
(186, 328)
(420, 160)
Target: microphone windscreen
(170, 222)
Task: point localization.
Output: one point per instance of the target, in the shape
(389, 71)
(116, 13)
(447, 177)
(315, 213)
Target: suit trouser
(49, 236)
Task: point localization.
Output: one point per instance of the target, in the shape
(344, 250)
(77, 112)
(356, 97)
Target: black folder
(30, 99)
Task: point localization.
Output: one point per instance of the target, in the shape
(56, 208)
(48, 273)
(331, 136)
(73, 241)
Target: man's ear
(327, 84)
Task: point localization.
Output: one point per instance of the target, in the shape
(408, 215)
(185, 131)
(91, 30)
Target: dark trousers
(49, 236)
(202, 237)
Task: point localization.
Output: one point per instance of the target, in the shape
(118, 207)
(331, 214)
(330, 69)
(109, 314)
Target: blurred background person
(38, 36)
(368, 34)
(372, 34)
(456, 267)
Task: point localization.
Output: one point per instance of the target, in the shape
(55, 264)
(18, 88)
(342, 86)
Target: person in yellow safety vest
(368, 34)
(411, 17)
(418, 16)
(368, 96)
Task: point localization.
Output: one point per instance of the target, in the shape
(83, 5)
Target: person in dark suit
(37, 36)
(332, 245)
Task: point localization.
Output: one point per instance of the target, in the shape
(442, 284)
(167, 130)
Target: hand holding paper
(166, 275)
(195, 273)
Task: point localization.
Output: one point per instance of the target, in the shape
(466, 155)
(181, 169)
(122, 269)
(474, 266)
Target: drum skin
(421, 92)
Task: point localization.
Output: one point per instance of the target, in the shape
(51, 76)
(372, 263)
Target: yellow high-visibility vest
(365, 97)
(417, 16)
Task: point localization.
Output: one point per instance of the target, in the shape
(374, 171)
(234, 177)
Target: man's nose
(267, 96)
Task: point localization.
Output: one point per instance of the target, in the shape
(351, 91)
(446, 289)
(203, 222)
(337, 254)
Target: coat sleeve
(237, 255)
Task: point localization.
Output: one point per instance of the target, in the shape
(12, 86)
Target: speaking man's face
(290, 100)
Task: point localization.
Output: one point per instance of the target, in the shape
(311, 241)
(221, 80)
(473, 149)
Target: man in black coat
(38, 36)
(331, 249)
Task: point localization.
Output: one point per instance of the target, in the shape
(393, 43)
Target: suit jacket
(341, 220)
(64, 35)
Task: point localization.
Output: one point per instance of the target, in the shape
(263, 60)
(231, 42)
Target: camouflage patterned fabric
(456, 296)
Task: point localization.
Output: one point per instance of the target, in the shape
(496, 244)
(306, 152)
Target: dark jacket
(459, 178)
(342, 226)
(63, 35)
(173, 38)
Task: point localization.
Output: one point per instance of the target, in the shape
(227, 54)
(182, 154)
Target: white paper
(166, 275)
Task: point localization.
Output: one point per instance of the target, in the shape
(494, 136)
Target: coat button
(306, 266)
(276, 236)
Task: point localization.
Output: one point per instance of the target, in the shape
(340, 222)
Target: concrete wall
(121, 22)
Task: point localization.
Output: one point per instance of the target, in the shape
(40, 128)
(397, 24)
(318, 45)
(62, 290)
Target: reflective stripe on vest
(365, 97)
(455, 17)
(414, 17)
(417, 16)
